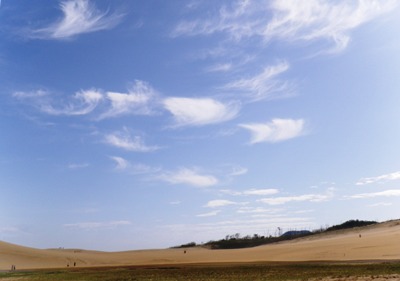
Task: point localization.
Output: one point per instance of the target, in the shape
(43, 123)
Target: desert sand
(377, 242)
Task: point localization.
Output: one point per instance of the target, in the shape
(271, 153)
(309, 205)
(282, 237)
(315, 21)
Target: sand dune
(377, 242)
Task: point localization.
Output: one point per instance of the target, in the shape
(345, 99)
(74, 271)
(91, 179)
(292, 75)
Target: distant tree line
(350, 224)
(236, 241)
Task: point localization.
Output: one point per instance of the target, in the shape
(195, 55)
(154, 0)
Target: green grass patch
(238, 272)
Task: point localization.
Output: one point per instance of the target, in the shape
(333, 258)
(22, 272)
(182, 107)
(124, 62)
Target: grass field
(233, 272)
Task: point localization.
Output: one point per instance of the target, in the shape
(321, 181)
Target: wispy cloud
(219, 203)
(82, 103)
(264, 85)
(310, 20)
(257, 210)
(190, 177)
(379, 179)
(238, 171)
(220, 67)
(75, 166)
(121, 163)
(199, 111)
(136, 101)
(386, 193)
(299, 198)
(289, 20)
(30, 95)
(237, 21)
(381, 204)
(98, 225)
(261, 192)
(209, 214)
(275, 131)
(123, 139)
(140, 99)
(79, 17)
(253, 191)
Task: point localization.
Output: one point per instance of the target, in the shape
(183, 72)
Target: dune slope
(376, 242)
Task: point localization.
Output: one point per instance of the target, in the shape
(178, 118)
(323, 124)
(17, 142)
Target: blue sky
(148, 124)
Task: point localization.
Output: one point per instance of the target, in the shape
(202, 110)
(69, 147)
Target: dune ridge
(375, 242)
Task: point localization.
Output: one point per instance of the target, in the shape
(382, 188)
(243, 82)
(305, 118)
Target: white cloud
(253, 191)
(175, 202)
(315, 19)
(74, 166)
(79, 16)
(199, 111)
(238, 171)
(83, 102)
(290, 20)
(380, 204)
(30, 95)
(263, 85)
(190, 177)
(97, 225)
(300, 198)
(122, 139)
(209, 214)
(386, 193)
(257, 210)
(219, 203)
(275, 131)
(237, 21)
(221, 67)
(260, 192)
(136, 101)
(121, 163)
(379, 179)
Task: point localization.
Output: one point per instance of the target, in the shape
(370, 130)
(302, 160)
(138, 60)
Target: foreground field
(233, 272)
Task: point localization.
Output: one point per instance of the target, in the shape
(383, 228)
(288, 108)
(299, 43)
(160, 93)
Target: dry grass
(232, 272)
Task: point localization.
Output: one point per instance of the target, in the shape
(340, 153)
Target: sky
(150, 124)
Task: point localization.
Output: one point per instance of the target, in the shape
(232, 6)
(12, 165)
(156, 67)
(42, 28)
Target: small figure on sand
(13, 268)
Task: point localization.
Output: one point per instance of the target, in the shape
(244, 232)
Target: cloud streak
(199, 111)
(79, 17)
(290, 20)
(277, 130)
(123, 139)
(121, 163)
(379, 179)
(300, 198)
(189, 177)
(136, 101)
(263, 85)
(310, 20)
(386, 193)
(98, 225)
(219, 203)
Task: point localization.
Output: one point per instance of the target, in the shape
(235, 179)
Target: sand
(377, 243)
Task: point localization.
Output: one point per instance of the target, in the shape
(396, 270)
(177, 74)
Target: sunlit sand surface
(372, 243)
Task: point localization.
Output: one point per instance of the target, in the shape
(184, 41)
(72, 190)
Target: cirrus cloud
(275, 131)
(79, 16)
(386, 193)
(199, 111)
(219, 203)
(379, 179)
(190, 177)
(122, 139)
